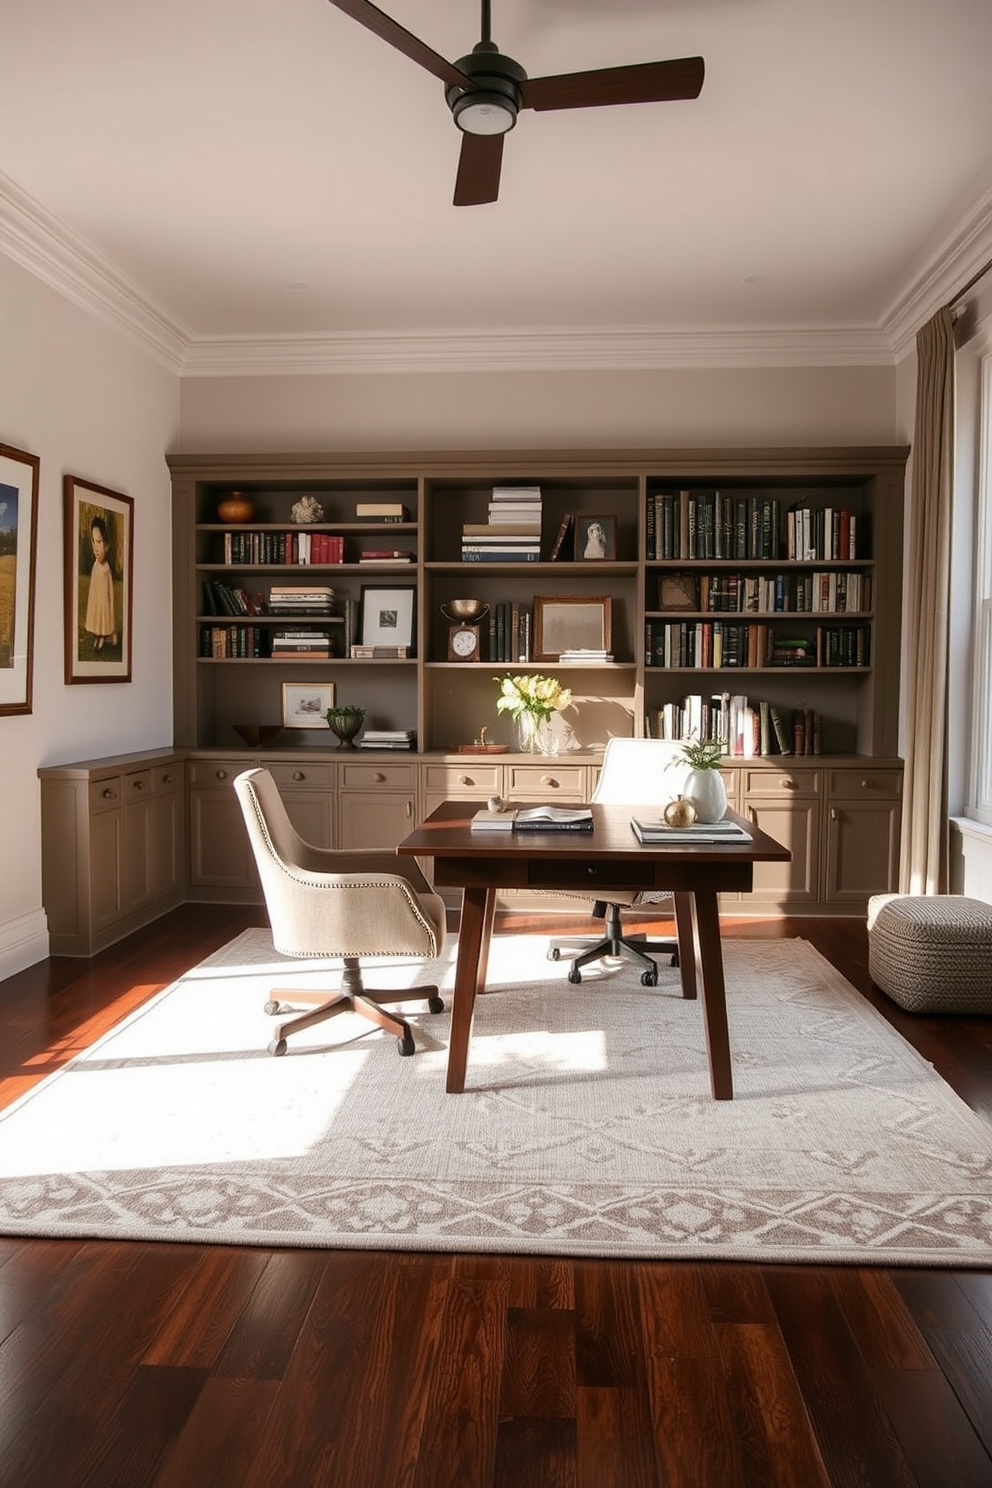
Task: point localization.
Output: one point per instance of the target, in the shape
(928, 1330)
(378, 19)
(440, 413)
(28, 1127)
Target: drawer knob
(298, 775)
(550, 780)
(166, 779)
(464, 780)
(137, 785)
(788, 783)
(866, 785)
(221, 774)
(378, 777)
(108, 793)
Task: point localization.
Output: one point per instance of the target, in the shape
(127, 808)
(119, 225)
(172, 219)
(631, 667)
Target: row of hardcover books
(826, 591)
(717, 643)
(291, 546)
(509, 631)
(724, 525)
(744, 728)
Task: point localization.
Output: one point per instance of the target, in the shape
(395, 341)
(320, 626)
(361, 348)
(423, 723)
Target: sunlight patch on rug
(586, 1126)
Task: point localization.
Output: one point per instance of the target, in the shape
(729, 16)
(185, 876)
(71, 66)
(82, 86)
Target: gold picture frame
(99, 570)
(569, 622)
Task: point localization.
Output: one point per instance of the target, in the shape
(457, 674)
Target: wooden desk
(482, 863)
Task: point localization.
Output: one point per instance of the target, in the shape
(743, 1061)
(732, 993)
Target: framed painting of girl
(99, 564)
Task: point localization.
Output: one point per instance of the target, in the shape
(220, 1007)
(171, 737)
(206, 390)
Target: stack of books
(315, 645)
(385, 556)
(585, 655)
(297, 599)
(513, 532)
(534, 819)
(388, 739)
(656, 831)
(362, 652)
(381, 511)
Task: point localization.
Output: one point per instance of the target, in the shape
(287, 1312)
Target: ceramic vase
(706, 790)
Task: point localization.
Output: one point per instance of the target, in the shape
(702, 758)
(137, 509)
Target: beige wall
(524, 410)
(88, 403)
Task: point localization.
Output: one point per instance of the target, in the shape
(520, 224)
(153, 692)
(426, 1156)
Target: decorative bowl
(465, 609)
(256, 735)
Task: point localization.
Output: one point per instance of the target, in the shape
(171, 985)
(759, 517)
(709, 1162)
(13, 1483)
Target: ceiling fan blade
(383, 26)
(478, 169)
(642, 82)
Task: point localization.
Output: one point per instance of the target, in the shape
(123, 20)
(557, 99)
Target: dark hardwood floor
(184, 1366)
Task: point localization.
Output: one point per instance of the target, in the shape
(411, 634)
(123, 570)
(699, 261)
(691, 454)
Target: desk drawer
(463, 780)
(301, 776)
(534, 782)
(366, 775)
(582, 874)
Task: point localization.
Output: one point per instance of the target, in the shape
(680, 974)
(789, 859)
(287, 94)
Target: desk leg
(478, 907)
(687, 944)
(709, 959)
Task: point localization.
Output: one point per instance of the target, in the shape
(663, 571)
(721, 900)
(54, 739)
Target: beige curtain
(925, 827)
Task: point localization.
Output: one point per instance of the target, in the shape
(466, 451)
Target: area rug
(586, 1127)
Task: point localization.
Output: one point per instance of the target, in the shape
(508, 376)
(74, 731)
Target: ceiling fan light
(479, 112)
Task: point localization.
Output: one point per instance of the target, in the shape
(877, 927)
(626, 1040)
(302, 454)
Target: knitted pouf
(932, 954)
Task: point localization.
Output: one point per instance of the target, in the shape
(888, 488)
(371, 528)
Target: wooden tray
(482, 749)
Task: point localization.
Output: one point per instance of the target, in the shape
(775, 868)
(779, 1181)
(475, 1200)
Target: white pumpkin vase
(704, 786)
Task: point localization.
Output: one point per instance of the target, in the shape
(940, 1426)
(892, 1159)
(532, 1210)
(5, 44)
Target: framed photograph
(99, 571)
(678, 591)
(304, 704)
(387, 615)
(595, 538)
(18, 551)
(571, 622)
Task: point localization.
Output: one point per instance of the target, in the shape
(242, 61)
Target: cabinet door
(862, 850)
(375, 819)
(165, 838)
(106, 869)
(220, 855)
(796, 824)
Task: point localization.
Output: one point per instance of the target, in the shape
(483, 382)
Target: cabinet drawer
(298, 777)
(463, 780)
(786, 781)
(166, 779)
(538, 780)
(137, 783)
(865, 784)
(216, 771)
(363, 776)
(106, 794)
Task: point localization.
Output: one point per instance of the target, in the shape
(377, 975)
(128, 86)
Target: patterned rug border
(656, 1221)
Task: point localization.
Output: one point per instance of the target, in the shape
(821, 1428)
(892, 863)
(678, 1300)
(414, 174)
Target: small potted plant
(704, 787)
(345, 720)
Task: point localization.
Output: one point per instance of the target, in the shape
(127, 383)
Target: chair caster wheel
(406, 1046)
(649, 979)
(575, 977)
(435, 1004)
(675, 959)
(272, 1008)
(554, 954)
(277, 1047)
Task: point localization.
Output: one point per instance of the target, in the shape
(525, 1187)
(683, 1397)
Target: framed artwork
(387, 615)
(305, 704)
(595, 538)
(99, 572)
(678, 591)
(18, 552)
(571, 622)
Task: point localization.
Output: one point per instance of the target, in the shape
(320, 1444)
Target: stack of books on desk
(656, 831)
(387, 739)
(534, 819)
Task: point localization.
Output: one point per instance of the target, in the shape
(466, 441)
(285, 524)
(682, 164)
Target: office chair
(635, 772)
(323, 903)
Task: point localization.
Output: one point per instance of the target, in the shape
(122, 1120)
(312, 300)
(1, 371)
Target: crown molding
(582, 349)
(53, 253)
(960, 256)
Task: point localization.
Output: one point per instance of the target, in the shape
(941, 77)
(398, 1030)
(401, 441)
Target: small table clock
(464, 643)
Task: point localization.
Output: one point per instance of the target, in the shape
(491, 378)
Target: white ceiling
(270, 169)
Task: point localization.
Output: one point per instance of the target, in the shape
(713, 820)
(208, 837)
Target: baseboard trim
(23, 942)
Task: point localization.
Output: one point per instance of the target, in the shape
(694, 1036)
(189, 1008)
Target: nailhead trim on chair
(932, 953)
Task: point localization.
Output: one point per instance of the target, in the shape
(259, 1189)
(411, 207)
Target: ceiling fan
(486, 90)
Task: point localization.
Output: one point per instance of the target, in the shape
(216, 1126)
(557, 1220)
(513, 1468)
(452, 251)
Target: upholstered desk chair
(635, 772)
(323, 903)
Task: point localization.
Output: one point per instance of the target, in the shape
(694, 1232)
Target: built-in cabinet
(113, 847)
(766, 577)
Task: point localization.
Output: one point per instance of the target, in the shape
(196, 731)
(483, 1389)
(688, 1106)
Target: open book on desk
(534, 819)
(656, 831)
